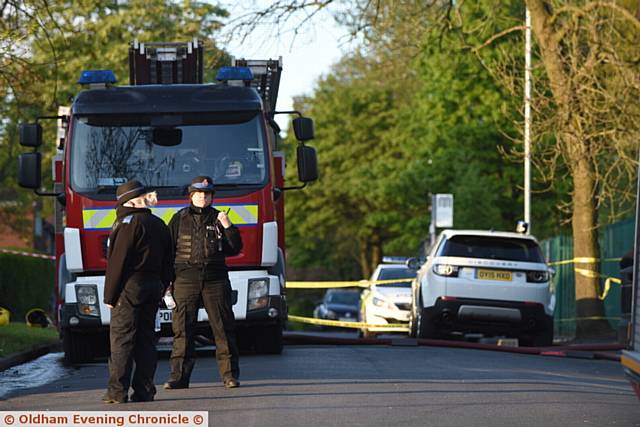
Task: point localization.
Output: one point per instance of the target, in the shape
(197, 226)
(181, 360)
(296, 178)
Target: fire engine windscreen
(109, 150)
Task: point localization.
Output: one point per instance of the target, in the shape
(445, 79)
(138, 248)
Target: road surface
(361, 386)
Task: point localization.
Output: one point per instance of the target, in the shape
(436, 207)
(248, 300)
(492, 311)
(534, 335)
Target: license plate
(164, 316)
(504, 276)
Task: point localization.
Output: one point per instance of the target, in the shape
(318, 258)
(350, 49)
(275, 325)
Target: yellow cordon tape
(573, 319)
(341, 324)
(343, 284)
(584, 260)
(595, 275)
(592, 274)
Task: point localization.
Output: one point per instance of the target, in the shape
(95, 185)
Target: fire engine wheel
(269, 340)
(77, 348)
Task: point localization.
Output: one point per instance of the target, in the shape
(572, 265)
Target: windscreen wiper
(170, 189)
(231, 186)
(105, 189)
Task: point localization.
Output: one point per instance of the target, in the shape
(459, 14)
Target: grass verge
(16, 337)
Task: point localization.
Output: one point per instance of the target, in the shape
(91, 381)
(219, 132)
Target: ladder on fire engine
(266, 77)
(165, 63)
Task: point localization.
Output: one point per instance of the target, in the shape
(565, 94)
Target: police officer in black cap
(139, 268)
(203, 237)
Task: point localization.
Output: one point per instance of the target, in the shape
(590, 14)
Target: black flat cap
(201, 183)
(130, 190)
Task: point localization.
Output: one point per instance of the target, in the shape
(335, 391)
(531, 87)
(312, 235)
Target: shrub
(25, 283)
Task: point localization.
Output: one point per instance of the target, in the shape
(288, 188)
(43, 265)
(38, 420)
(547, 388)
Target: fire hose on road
(581, 351)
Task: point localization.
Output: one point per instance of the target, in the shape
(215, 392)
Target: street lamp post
(527, 120)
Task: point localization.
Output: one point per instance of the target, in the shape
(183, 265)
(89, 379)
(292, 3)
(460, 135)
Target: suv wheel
(425, 328)
(413, 330)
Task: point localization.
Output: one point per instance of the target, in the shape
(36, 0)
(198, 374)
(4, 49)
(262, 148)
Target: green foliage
(17, 337)
(345, 217)
(25, 283)
(414, 114)
(44, 46)
(385, 148)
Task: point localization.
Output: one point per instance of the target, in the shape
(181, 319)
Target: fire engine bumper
(71, 318)
(275, 312)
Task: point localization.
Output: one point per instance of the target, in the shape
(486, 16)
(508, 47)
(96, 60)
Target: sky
(305, 57)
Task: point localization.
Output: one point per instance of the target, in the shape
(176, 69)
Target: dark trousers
(132, 336)
(216, 298)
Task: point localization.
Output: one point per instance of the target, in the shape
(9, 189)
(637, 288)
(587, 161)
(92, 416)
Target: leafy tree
(386, 142)
(45, 45)
(586, 90)
(590, 57)
(346, 214)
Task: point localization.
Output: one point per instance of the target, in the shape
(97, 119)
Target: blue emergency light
(96, 77)
(234, 73)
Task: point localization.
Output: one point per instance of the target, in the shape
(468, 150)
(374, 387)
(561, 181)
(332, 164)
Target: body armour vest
(199, 238)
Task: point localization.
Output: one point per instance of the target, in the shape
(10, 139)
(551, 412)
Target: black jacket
(207, 252)
(140, 243)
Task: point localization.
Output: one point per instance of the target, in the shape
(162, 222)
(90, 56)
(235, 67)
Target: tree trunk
(376, 257)
(584, 213)
(363, 257)
(589, 308)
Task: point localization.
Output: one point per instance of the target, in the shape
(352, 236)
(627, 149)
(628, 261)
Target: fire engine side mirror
(307, 163)
(303, 128)
(31, 135)
(29, 165)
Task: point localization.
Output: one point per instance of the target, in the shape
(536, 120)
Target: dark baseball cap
(201, 183)
(130, 190)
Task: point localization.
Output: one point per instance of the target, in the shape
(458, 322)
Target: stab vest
(198, 243)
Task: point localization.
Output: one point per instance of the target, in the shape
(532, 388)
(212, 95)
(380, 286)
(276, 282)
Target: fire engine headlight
(87, 297)
(87, 294)
(258, 294)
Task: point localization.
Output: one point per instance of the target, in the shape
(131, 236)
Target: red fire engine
(163, 129)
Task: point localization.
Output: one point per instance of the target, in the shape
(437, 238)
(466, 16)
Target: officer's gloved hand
(223, 218)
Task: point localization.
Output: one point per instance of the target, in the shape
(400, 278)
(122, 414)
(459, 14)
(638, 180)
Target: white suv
(387, 303)
(495, 283)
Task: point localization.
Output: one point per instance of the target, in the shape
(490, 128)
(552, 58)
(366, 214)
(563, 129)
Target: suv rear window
(396, 273)
(492, 248)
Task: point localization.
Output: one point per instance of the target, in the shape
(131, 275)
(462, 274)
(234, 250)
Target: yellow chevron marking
(108, 220)
(87, 215)
(104, 218)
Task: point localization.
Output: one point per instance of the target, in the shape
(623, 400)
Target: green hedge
(25, 283)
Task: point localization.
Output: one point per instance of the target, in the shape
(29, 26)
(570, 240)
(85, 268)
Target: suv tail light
(537, 276)
(446, 270)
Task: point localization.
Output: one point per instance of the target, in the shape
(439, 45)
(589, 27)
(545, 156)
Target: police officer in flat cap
(202, 238)
(139, 268)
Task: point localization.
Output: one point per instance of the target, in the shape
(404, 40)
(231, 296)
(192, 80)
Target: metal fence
(615, 240)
